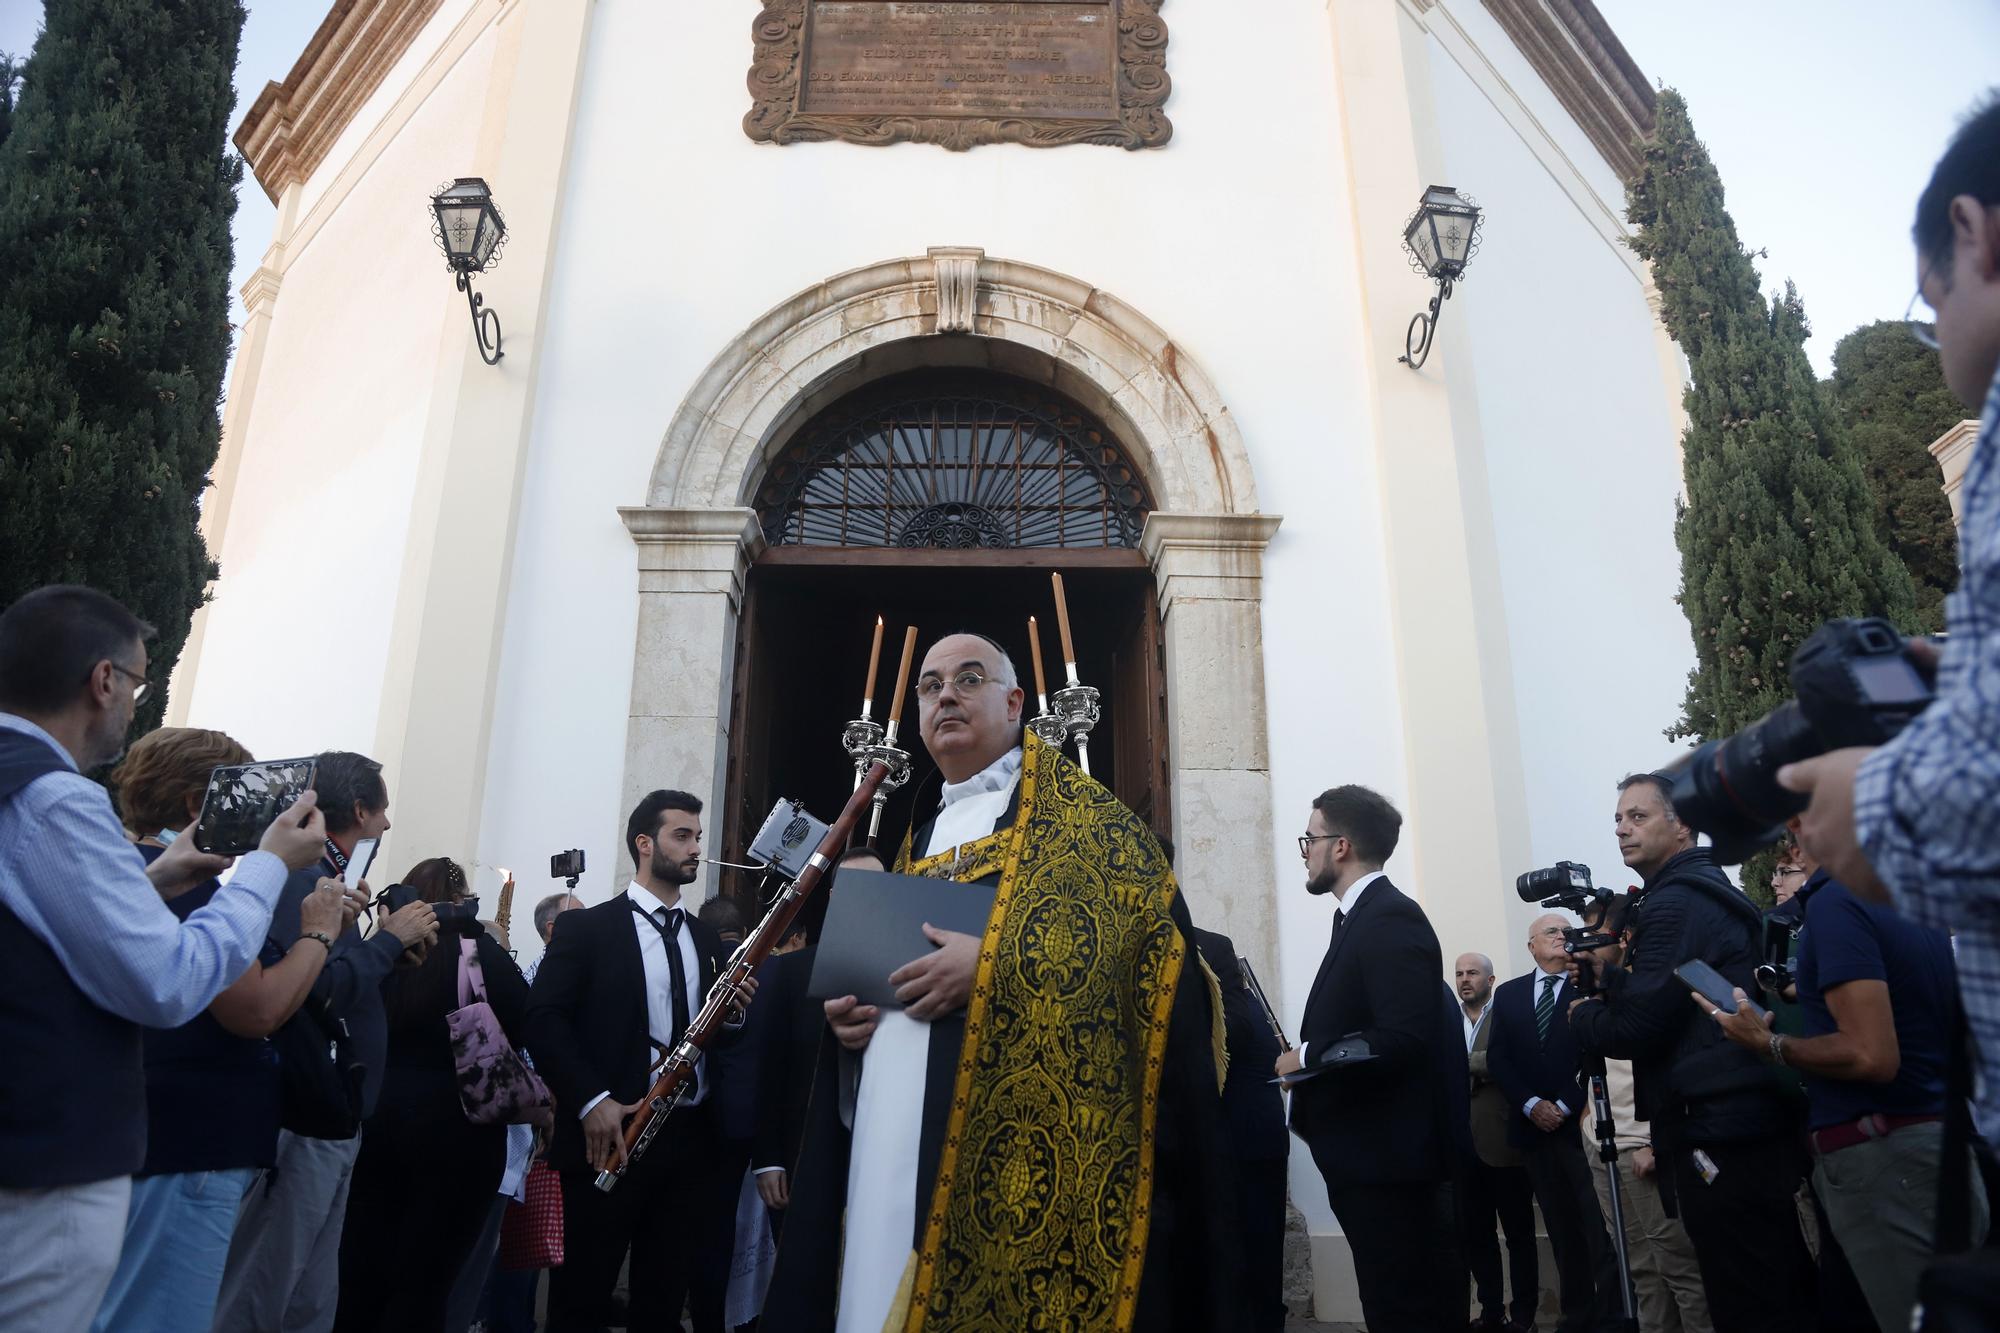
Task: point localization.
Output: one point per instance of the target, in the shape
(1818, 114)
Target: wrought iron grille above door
(922, 463)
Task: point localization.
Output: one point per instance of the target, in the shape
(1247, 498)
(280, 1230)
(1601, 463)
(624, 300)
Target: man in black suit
(617, 988)
(1533, 1056)
(1374, 1104)
(1494, 1185)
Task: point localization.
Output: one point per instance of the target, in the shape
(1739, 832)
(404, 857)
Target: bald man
(1495, 1186)
(1533, 1056)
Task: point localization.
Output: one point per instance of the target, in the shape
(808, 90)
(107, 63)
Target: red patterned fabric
(531, 1234)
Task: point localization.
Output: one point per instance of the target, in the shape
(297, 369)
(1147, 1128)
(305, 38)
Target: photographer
(1723, 1133)
(1876, 992)
(423, 1182)
(88, 950)
(1919, 818)
(283, 1269)
(1666, 1280)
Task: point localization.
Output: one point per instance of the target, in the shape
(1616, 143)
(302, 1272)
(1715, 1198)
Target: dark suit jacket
(784, 1028)
(1253, 1110)
(587, 1014)
(1387, 1119)
(1526, 1066)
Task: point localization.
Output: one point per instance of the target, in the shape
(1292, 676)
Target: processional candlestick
(1076, 704)
(868, 742)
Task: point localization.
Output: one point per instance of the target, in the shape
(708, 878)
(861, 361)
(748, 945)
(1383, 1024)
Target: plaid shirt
(1927, 805)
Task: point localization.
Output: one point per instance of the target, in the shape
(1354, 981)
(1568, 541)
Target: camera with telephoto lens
(1567, 885)
(1779, 971)
(459, 918)
(1855, 685)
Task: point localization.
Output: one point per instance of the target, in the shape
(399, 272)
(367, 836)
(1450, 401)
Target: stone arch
(1019, 318)
(697, 535)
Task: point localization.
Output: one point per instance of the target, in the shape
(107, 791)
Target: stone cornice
(1588, 69)
(1953, 450)
(292, 125)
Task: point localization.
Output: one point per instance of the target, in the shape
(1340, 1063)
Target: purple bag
(495, 1086)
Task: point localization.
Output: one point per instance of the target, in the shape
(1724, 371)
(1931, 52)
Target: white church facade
(646, 547)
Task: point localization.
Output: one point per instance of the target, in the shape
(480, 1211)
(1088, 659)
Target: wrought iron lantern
(469, 229)
(1442, 236)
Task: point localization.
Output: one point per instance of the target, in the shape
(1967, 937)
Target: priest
(1033, 1139)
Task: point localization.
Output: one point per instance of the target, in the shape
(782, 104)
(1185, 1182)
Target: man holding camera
(1723, 1132)
(1666, 1281)
(1916, 822)
(1876, 991)
(284, 1271)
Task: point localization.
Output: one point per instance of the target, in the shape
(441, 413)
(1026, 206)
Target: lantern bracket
(1423, 326)
(489, 349)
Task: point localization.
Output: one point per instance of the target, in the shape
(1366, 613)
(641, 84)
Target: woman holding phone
(212, 1092)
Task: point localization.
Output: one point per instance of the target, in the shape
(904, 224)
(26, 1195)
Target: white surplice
(889, 1106)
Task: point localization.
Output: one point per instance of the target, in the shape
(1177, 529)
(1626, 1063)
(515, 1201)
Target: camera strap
(336, 858)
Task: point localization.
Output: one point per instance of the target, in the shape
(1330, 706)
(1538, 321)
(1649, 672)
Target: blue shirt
(1927, 804)
(77, 883)
(1847, 940)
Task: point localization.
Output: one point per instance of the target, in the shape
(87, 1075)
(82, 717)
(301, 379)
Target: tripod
(1607, 1153)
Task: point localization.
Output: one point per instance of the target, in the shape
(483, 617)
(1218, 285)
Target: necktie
(667, 920)
(1545, 1008)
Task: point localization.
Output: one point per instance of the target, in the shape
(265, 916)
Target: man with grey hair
(1495, 1185)
(546, 912)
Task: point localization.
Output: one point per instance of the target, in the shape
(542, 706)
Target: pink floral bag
(495, 1085)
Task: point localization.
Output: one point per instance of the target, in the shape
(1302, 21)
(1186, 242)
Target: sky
(1823, 116)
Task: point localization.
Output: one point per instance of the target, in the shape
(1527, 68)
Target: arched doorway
(941, 498)
(699, 538)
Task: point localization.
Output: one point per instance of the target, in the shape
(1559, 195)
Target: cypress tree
(1889, 393)
(9, 76)
(116, 193)
(1777, 528)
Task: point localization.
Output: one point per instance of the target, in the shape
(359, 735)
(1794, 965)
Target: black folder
(875, 924)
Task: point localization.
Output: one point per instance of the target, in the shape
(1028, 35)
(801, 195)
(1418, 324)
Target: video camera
(1856, 686)
(1567, 885)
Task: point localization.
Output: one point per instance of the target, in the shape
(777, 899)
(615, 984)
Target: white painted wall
(1582, 464)
(298, 634)
(1234, 240)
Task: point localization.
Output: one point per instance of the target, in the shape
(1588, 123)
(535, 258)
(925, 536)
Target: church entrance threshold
(802, 656)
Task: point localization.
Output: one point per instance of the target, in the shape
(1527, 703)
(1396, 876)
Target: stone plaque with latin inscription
(960, 72)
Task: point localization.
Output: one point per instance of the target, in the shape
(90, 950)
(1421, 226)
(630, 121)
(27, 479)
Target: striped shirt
(1927, 805)
(77, 883)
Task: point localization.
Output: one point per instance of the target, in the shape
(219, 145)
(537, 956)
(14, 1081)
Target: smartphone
(357, 864)
(243, 799)
(1712, 986)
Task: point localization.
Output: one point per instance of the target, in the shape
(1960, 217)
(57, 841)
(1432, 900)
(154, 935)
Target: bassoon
(671, 1086)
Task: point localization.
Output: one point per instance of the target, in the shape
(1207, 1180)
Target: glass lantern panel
(489, 238)
(1423, 241)
(1454, 232)
(460, 225)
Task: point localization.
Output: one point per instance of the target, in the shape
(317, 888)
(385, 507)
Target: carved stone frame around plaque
(1140, 87)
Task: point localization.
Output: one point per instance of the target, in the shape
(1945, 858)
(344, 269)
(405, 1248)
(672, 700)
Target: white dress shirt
(889, 1105)
(1535, 998)
(659, 985)
(1472, 1024)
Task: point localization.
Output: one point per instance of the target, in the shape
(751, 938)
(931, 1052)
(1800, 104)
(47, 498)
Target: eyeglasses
(1307, 840)
(1785, 871)
(140, 690)
(1924, 331)
(965, 682)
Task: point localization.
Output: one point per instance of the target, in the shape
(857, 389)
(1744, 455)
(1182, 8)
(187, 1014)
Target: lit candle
(902, 681)
(1062, 628)
(874, 660)
(1035, 650)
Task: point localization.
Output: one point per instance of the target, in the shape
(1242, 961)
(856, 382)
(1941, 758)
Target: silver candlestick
(1049, 727)
(898, 763)
(861, 735)
(1077, 709)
